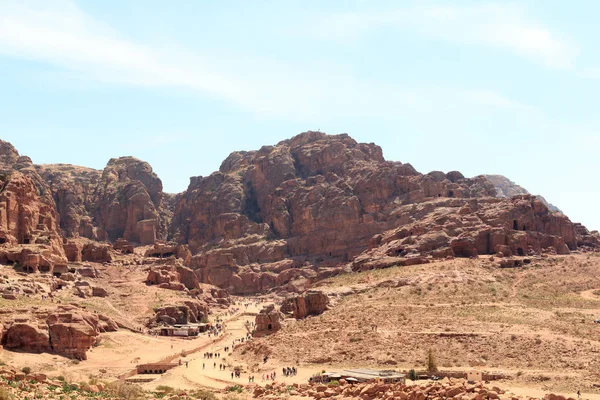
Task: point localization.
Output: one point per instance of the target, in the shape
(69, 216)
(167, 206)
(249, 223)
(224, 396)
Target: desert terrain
(533, 324)
(315, 254)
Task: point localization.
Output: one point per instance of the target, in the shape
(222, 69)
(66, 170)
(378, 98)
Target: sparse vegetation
(412, 375)
(431, 362)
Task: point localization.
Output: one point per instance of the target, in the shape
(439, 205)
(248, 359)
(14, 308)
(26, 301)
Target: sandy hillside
(534, 323)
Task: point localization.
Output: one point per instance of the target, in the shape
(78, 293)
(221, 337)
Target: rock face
(189, 312)
(28, 224)
(41, 204)
(311, 303)
(508, 189)
(283, 216)
(172, 275)
(298, 210)
(66, 330)
(164, 250)
(125, 200)
(468, 228)
(128, 201)
(268, 321)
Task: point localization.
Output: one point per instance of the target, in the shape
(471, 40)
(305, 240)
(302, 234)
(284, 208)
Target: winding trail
(589, 294)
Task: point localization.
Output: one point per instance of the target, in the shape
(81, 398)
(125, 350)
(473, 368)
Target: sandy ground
(201, 372)
(536, 321)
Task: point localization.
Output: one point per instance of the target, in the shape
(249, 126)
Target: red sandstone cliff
(282, 216)
(290, 212)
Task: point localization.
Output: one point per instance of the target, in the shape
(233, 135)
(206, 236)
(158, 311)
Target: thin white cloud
(503, 26)
(61, 34)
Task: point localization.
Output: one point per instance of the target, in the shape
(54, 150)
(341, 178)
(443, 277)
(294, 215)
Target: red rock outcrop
(468, 228)
(124, 200)
(190, 311)
(315, 202)
(268, 321)
(128, 201)
(311, 303)
(172, 275)
(74, 188)
(164, 250)
(28, 228)
(65, 330)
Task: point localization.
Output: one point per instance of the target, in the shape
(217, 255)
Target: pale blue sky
(499, 87)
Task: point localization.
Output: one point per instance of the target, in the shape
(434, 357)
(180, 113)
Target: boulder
(311, 303)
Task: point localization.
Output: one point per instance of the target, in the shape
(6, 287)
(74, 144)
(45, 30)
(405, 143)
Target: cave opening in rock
(44, 268)
(524, 227)
(451, 193)
(28, 269)
(516, 225)
(2, 240)
(269, 327)
(520, 252)
(26, 240)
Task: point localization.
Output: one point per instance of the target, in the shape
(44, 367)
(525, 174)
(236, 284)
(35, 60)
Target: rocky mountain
(507, 189)
(297, 211)
(279, 217)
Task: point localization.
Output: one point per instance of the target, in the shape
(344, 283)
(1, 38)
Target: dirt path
(589, 294)
(516, 283)
(202, 372)
(205, 373)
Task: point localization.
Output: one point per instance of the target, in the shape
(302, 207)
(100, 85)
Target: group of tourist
(289, 371)
(270, 376)
(212, 355)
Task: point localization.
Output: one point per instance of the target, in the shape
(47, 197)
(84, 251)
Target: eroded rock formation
(65, 330)
(283, 216)
(190, 311)
(268, 321)
(311, 303)
(300, 209)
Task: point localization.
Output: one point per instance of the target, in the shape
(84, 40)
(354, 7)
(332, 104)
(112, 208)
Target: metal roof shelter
(362, 375)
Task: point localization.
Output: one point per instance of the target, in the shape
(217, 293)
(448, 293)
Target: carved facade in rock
(268, 321)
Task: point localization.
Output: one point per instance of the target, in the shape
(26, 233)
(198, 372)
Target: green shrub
(125, 391)
(235, 388)
(164, 389)
(26, 370)
(333, 383)
(412, 375)
(431, 362)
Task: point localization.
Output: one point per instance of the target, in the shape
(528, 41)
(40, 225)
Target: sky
(481, 87)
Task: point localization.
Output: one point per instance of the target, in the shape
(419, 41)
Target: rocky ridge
(281, 217)
(506, 188)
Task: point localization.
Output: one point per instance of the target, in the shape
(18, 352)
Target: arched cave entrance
(269, 327)
(520, 252)
(516, 225)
